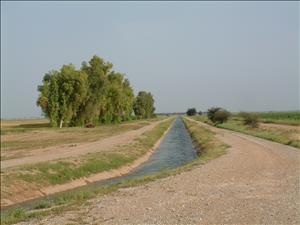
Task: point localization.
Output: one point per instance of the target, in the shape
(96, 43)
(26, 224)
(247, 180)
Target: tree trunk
(61, 123)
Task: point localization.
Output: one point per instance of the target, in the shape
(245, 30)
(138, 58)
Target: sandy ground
(59, 152)
(257, 182)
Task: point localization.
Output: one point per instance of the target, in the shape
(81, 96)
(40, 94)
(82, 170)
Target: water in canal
(176, 149)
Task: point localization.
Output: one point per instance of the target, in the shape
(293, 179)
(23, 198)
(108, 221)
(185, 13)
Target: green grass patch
(14, 216)
(44, 204)
(18, 215)
(63, 171)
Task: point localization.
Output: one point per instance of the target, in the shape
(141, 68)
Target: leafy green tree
(128, 100)
(144, 105)
(48, 98)
(95, 109)
(72, 93)
(120, 98)
(62, 93)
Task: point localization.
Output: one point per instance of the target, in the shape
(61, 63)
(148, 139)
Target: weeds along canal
(175, 150)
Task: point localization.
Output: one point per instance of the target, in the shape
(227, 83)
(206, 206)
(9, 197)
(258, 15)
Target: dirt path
(57, 152)
(257, 182)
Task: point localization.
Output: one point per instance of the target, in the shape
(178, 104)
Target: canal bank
(173, 149)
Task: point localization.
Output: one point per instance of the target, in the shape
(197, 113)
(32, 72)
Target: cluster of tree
(144, 105)
(94, 94)
(192, 112)
(218, 115)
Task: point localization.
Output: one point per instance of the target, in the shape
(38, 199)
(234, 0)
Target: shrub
(218, 115)
(211, 113)
(199, 113)
(250, 119)
(191, 112)
(221, 116)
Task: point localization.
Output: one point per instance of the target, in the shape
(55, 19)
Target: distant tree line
(215, 114)
(192, 112)
(94, 94)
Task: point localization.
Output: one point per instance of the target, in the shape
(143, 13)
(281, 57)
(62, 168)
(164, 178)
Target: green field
(289, 117)
(292, 118)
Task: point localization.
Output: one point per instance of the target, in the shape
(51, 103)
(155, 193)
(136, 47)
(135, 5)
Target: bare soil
(257, 182)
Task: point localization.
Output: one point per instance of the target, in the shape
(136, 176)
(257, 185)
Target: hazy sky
(238, 55)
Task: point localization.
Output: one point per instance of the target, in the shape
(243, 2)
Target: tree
(144, 105)
(211, 113)
(73, 87)
(191, 112)
(94, 109)
(218, 115)
(120, 98)
(128, 100)
(199, 113)
(62, 93)
(48, 98)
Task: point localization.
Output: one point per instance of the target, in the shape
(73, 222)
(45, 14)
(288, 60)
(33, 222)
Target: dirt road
(257, 182)
(59, 152)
